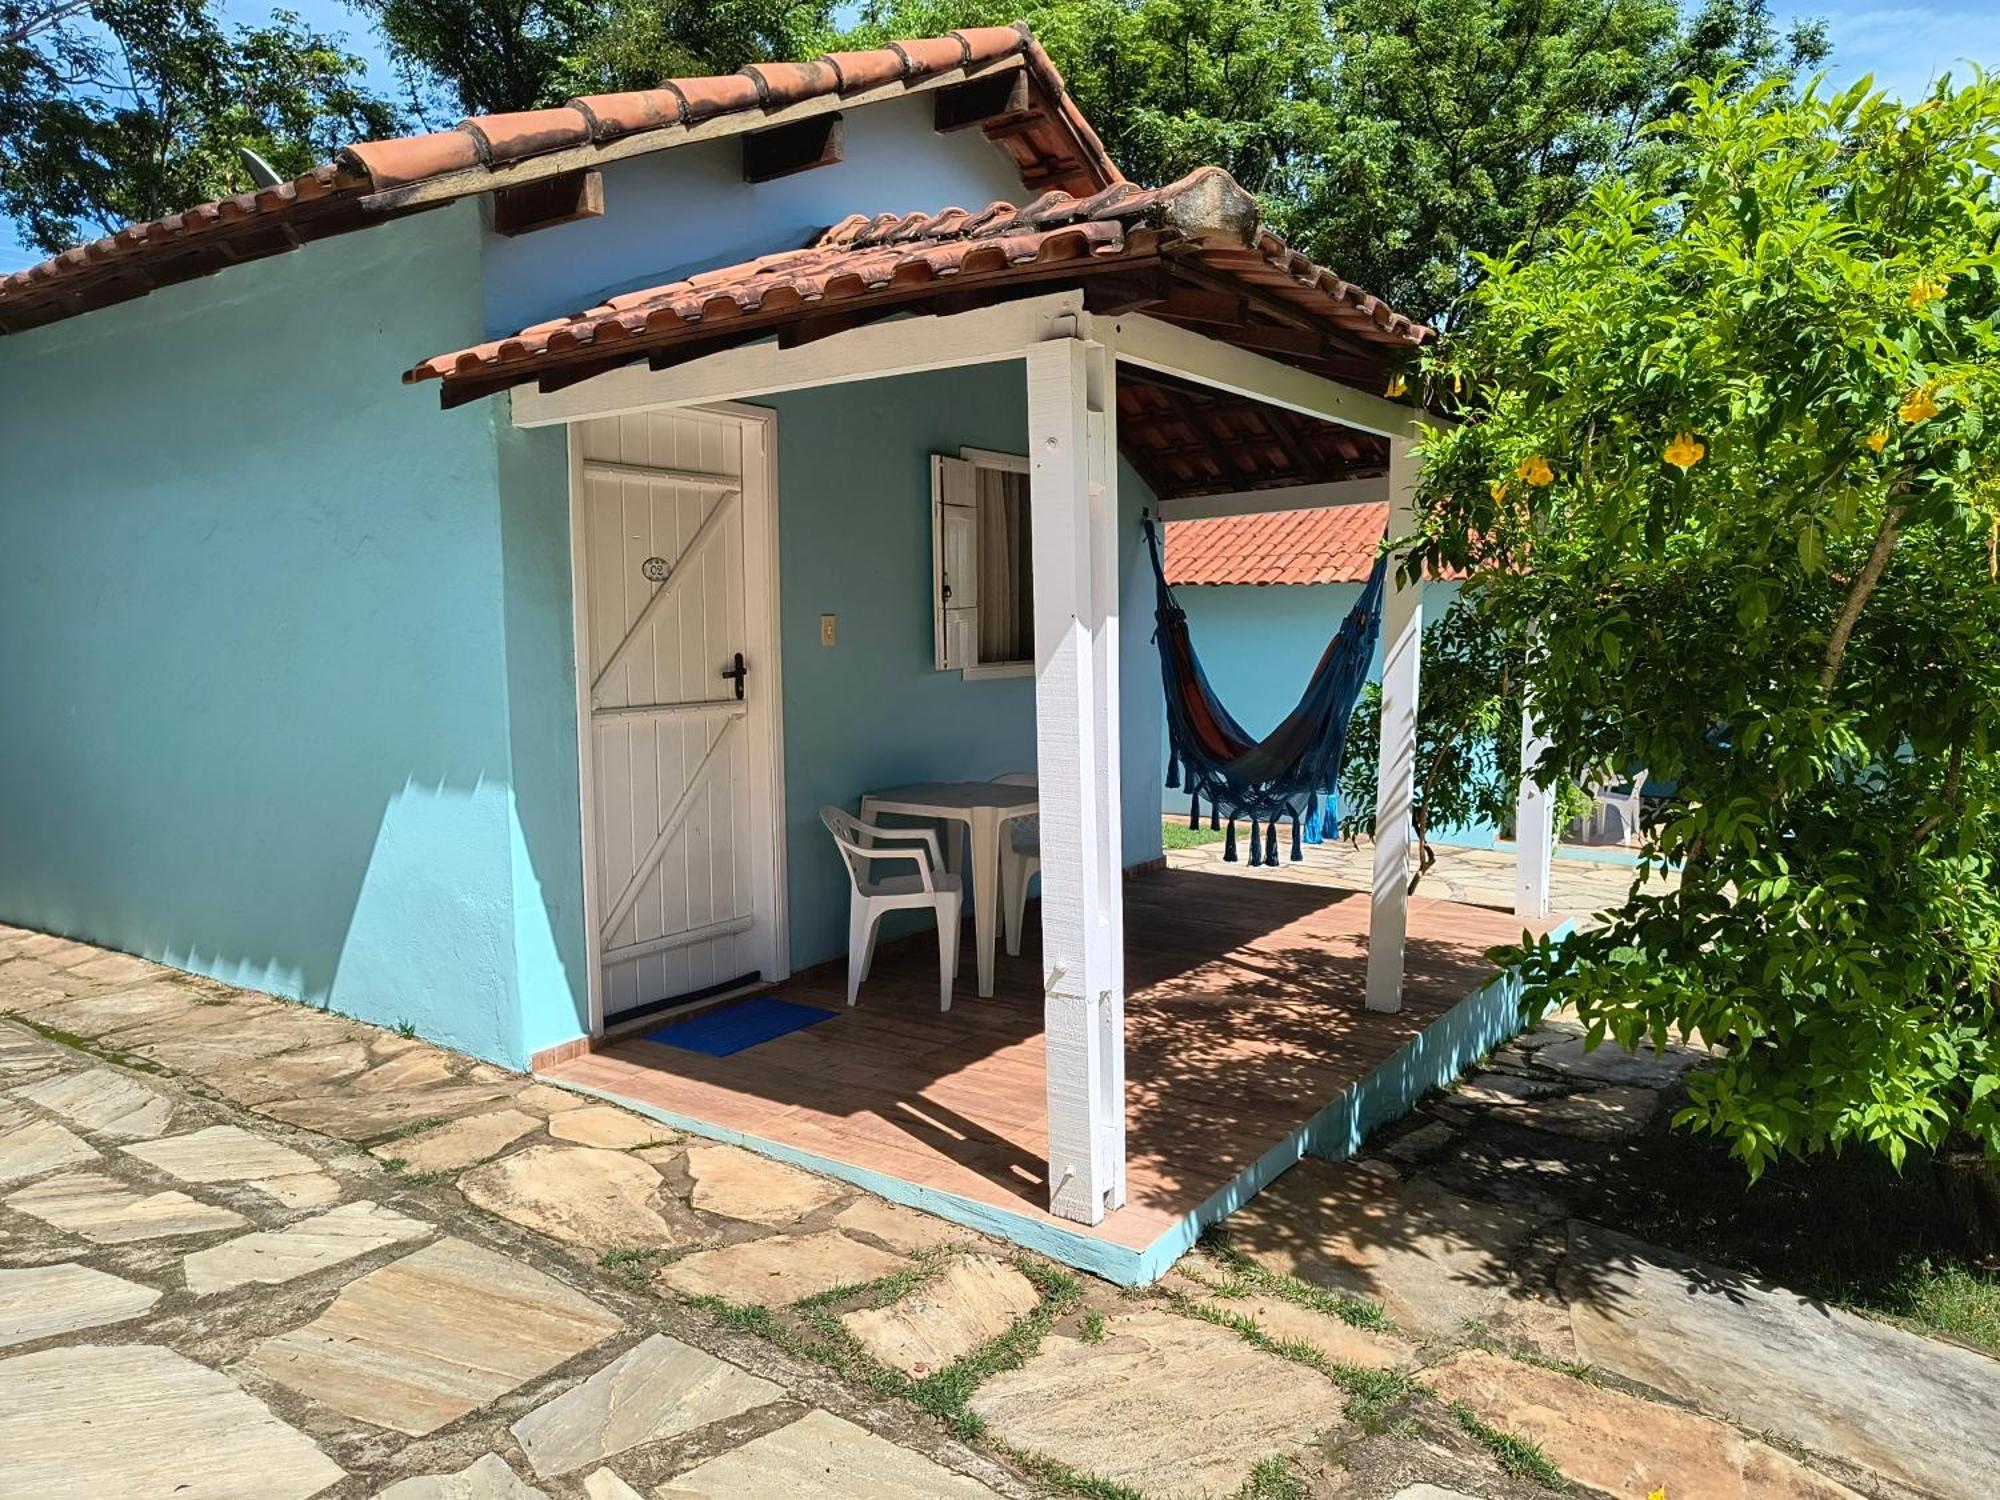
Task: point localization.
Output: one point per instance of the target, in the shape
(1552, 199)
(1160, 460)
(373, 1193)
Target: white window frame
(984, 458)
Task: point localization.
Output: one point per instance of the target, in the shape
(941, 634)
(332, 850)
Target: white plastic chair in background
(1020, 862)
(874, 898)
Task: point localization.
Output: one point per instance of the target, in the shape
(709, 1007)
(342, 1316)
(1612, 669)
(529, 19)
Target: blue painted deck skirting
(1433, 1058)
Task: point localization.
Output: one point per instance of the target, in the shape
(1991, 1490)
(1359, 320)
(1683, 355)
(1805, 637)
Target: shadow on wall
(279, 658)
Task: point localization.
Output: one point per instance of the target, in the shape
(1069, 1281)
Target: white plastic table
(983, 806)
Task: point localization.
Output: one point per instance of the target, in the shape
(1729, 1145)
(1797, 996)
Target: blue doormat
(729, 1029)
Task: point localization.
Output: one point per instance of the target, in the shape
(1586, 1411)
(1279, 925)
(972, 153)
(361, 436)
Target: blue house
(447, 587)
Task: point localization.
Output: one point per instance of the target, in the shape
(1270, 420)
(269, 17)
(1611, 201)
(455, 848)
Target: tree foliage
(490, 56)
(1468, 738)
(1395, 140)
(1725, 479)
(124, 110)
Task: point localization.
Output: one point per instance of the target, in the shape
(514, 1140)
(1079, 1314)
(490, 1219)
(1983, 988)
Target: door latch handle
(736, 674)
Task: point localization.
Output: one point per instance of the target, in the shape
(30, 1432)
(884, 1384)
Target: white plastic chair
(874, 898)
(1020, 862)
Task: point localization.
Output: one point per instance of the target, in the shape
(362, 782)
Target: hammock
(1292, 770)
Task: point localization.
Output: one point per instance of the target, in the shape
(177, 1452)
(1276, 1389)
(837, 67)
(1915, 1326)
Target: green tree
(1725, 480)
(1468, 738)
(125, 110)
(491, 56)
(1395, 140)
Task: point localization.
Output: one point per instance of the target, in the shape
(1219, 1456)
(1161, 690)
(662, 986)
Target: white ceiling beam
(1152, 345)
(1327, 496)
(874, 351)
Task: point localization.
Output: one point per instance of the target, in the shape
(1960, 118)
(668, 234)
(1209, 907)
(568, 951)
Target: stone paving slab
(1915, 1409)
(585, 1196)
(613, 1129)
(107, 1211)
(139, 1420)
(291, 1074)
(820, 1457)
(739, 1184)
(659, 1389)
(487, 1478)
(100, 1015)
(434, 1335)
(1610, 1063)
(602, 1484)
(29, 1148)
(103, 1101)
(229, 1153)
(1165, 1405)
(779, 1270)
(1620, 1444)
(275, 1256)
(364, 1117)
(899, 1228)
(967, 1305)
(1431, 1258)
(460, 1143)
(37, 1302)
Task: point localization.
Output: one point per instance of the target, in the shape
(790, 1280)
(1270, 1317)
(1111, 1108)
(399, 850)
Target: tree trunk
(1970, 1185)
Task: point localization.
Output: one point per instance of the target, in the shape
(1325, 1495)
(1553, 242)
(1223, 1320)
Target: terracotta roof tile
(1205, 213)
(1335, 544)
(1052, 144)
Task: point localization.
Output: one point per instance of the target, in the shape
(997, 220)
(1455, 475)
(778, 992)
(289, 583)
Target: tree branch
(1859, 590)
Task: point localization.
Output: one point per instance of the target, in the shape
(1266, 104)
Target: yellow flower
(1683, 452)
(1919, 406)
(1658, 1494)
(1927, 289)
(1877, 440)
(1498, 490)
(1457, 383)
(1397, 386)
(1535, 470)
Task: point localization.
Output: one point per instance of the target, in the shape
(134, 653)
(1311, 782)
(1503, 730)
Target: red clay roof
(894, 259)
(1336, 544)
(1049, 139)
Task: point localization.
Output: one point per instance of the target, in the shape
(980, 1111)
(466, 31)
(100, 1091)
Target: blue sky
(1904, 45)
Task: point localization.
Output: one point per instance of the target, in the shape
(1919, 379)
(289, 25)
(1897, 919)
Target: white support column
(1534, 828)
(1072, 443)
(1395, 784)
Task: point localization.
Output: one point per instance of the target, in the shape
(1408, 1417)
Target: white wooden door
(682, 752)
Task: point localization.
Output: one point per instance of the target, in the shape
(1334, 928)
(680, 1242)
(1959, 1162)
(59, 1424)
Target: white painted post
(1534, 830)
(1074, 509)
(1395, 784)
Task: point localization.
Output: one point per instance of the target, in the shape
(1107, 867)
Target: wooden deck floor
(1244, 1016)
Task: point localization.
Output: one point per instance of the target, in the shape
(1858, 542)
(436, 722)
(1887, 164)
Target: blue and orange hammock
(1294, 771)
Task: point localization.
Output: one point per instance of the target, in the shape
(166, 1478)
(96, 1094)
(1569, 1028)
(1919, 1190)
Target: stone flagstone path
(283, 1254)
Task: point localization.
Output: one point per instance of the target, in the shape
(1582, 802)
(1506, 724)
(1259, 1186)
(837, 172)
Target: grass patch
(1092, 1331)
(1947, 1299)
(407, 1030)
(1273, 1478)
(1247, 1278)
(1175, 834)
(414, 1127)
(1062, 1479)
(636, 1267)
(90, 1047)
(1517, 1456)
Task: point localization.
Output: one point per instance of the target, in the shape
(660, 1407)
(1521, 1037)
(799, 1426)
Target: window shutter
(954, 563)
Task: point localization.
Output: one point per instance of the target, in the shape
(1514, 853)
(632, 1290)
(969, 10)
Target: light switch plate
(827, 634)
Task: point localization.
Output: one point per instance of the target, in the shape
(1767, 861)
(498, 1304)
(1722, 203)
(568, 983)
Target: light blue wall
(855, 541)
(672, 213)
(278, 641)
(1260, 642)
